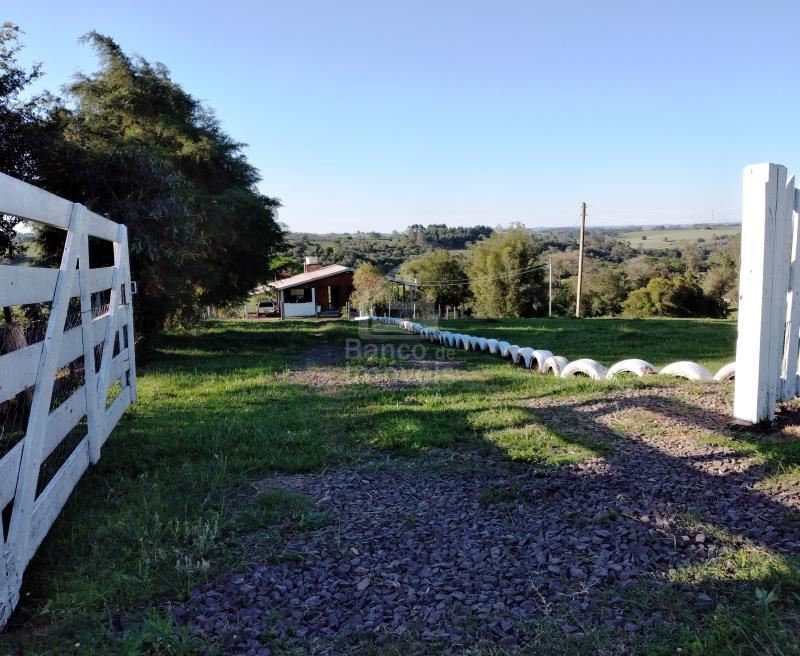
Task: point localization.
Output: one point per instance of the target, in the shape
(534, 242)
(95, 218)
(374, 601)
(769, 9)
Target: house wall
(342, 287)
(298, 309)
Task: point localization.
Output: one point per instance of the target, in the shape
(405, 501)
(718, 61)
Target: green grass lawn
(169, 504)
(710, 342)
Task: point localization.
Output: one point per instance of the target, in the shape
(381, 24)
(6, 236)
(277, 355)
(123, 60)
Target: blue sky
(375, 115)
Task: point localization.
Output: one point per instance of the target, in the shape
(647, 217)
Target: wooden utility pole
(415, 299)
(580, 261)
(550, 286)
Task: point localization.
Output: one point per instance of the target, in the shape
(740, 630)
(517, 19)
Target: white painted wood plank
(126, 264)
(754, 350)
(99, 226)
(23, 285)
(119, 365)
(792, 335)
(114, 413)
(9, 468)
(36, 366)
(103, 380)
(29, 202)
(63, 419)
(84, 277)
(20, 285)
(49, 503)
(18, 368)
(6, 601)
(780, 260)
(97, 280)
(9, 595)
(19, 533)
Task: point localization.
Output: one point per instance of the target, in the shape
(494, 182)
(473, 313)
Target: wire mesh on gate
(28, 328)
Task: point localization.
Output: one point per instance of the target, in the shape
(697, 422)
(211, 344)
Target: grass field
(658, 239)
(710, 342)
(169, 506)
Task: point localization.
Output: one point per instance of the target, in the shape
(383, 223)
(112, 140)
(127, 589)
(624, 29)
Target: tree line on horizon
(506, 275)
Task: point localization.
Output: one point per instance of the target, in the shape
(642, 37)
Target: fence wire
(28, 327)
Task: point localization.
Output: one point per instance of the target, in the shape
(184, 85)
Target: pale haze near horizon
(374, 116)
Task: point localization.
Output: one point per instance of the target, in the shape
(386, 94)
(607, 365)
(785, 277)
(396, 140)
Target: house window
(298, 295)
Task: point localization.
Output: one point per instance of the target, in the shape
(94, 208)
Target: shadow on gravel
(461, 548)
(673, 471)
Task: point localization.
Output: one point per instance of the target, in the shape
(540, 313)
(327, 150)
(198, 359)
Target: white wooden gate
(28, 374)
(769, 294)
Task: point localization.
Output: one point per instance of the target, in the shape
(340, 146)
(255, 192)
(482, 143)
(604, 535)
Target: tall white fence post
(765, 335)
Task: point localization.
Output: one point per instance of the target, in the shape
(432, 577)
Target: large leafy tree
(505, 278)
(134, 145)
(441, 276)
(20, 127)
(370, 288)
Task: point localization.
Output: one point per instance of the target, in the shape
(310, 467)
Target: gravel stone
(466, 570)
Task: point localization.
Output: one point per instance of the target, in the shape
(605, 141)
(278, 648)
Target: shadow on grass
(745, 596)
(172, 483)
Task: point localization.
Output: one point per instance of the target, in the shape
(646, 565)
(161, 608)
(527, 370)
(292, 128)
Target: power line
(467, 281)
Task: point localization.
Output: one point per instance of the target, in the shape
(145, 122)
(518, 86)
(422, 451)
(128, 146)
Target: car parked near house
(266, 308)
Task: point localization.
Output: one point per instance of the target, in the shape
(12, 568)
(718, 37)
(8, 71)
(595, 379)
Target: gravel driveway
(450, 551)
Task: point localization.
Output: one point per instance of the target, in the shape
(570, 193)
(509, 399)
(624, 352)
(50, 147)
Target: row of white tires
(543, 361)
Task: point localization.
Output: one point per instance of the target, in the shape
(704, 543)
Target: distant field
(655, 239)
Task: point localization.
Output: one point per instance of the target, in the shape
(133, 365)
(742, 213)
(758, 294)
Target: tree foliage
(19, 123)
(721, 281)
(604, 291)
(441, 275)
(370, 288)
(439, 235)
(135, 146)
(678, 296)
(503, 274)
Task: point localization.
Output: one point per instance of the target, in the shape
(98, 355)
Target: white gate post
(791, 347)
(767, 206)
(126, 279)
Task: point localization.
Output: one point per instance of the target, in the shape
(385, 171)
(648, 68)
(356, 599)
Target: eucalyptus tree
(506, 277)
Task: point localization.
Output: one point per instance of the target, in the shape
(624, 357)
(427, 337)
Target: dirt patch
(327, 367)
(386, 378)
(320, 356)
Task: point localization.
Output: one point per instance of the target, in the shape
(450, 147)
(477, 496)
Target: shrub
(678, 296)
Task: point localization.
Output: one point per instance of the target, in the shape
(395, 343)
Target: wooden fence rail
(101, 341)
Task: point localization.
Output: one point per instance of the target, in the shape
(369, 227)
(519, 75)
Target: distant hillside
(386, 250)
(663, 237)
(389, 250)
